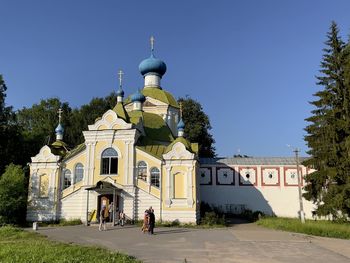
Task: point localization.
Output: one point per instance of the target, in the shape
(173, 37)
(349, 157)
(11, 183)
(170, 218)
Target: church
(135, 156)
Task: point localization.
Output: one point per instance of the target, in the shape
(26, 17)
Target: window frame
(110, 160)
(154, 171)
(65, 177)
(144, 177)
(81, 167)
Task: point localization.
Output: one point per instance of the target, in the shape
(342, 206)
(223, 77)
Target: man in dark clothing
(152, 221)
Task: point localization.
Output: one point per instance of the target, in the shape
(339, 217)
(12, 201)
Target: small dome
(138, 96)
(152, 65)
(120, 92)
(59, 129)
(181, 125)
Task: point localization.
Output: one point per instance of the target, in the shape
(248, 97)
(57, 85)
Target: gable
(109, 121)
(45, 155)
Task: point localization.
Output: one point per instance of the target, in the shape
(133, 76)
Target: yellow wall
(151, 162)
(79, 158)
(179, 187)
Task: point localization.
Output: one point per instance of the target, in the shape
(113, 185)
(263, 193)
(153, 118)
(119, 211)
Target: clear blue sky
(251, 64)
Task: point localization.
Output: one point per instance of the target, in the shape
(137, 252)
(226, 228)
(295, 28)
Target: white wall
(274, 196)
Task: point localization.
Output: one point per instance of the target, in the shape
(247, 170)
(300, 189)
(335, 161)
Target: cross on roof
(152, 40)
(180, 109)
(60, 111)
(120, 74)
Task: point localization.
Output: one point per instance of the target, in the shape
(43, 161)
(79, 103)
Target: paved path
(246, 243)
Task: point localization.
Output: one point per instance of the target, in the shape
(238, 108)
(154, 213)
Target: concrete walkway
(240, 243)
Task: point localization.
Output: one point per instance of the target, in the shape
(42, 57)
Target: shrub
(212, 218)
(13, 195)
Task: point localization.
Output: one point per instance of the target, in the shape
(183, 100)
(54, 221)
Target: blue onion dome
(181, 125)
(138, 96)
(120, 92)
(152, 65)
(59, 129)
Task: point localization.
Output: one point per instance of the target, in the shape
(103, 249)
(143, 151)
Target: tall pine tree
(328, 133)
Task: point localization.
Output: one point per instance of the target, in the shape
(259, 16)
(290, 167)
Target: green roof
(153, 148)
(75, 151)
(158, 94)
(121, 112)
(58, 148)
(154, 126)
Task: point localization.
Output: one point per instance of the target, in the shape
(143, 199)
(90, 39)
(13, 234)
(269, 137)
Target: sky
(251, 64)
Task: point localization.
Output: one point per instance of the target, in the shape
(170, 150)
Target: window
(67, 179)
(109, 163)
(155, 174)
(78, 173)
(142, 170)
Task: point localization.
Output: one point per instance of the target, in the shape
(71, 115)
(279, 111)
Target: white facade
(268, 185)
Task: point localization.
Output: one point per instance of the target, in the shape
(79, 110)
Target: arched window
(67, 179)
(78, 173)
(155, 174)
(142, 170)
(109, 163)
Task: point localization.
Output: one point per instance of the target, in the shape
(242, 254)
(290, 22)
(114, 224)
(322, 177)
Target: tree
(10, 138)
(81, 117)
(38, 124)
(197, 126)
(329, 133)
(13, 195)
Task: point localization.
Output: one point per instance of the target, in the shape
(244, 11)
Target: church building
(136, 156)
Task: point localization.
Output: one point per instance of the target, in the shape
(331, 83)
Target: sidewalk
(245, 243)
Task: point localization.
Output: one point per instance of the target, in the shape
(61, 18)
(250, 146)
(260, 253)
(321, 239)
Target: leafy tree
(81, 117)
(328, 134)
(13, 195)
(10, 138)
(197, 126)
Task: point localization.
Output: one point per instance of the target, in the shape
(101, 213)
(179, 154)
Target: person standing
(152, 221)
(145, 225)
(110, 212)
(102, 219)
(121, 218)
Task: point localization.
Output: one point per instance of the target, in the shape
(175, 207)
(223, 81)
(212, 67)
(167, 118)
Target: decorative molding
(241, 183)
(209, 168)
(225, 168)
(277, 169)
(45, 156)
(295, 179)
(178, 151)
(109, 119)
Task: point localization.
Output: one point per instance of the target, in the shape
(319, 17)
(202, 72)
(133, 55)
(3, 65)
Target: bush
(212, 218)
(13, 195)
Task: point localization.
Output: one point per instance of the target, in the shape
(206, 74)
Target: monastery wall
(270, 189)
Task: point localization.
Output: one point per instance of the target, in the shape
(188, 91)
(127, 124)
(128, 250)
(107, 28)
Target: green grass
(317, 228)
(17, 245)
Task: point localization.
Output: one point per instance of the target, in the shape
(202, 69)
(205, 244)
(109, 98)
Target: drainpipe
(161, 193)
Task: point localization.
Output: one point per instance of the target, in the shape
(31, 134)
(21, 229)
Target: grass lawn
(317, 228)
(17, 245)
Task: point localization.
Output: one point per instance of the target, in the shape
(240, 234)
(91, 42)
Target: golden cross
(180, 109)
(60, 111)
(120, 73)
(152, 42)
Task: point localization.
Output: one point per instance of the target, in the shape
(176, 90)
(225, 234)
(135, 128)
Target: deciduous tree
(197, 126)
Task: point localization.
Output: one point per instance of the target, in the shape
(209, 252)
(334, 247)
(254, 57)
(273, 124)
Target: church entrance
(106, 200)
(108, 197)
